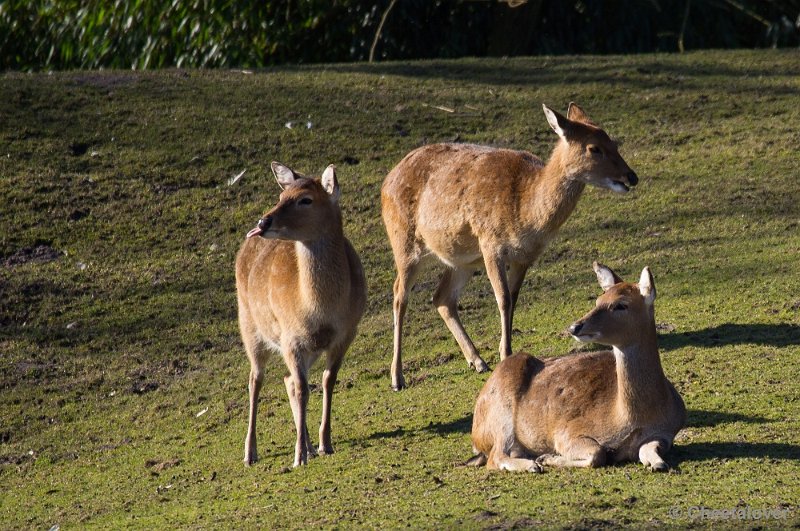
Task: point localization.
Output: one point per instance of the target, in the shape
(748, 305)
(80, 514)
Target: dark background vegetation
(67, 34)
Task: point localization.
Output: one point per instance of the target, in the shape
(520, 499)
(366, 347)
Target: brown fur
(587, 409)
(474, 206)
(301, 292)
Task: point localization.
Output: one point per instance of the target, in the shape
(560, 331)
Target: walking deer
(475, 206)
(301, 292)
(586, 409)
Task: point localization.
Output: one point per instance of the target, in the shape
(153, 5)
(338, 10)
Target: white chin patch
(618, 187)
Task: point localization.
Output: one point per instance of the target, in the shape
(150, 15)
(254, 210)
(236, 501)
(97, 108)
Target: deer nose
(264, 223)
(575, 328)
(632, 178)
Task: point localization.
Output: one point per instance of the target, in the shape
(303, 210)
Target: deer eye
(619, 307)
(305, 201)
(595, 150)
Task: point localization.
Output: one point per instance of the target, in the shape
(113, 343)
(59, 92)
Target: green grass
(109, 351)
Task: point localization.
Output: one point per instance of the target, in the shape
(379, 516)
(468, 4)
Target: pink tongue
(254, 232)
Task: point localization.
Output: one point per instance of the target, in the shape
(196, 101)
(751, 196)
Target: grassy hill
(123, 382)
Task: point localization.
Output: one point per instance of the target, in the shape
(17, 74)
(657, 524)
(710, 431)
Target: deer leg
(582, 452)
(446, 301)
(518, 464)
(499, 460)
(649, 456)
(297, 389)
(294, 404)
(257, 355)
(311, 450)
(402, 285)
(254, 387)
(496, 271)
(334, 361)
(516, 275)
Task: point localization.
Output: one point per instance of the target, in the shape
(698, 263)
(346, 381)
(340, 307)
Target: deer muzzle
(575, 328)
(263, 226)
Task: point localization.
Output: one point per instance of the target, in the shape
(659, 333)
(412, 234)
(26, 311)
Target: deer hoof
(325, 450)
(536, 468)
(250, 459)
(659, 467)
(543, 459)
(479, 366)
(399, 385)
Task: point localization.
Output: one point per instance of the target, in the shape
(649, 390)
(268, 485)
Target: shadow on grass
(775, 335)
(463, 425)
(573, 70)
(704, 451)
(697, 418)
(732, 450)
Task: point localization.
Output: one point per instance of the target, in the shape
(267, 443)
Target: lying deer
(586, 409)
(475, 206)
(301, 292)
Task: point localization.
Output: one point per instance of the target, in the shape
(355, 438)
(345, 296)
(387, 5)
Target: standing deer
(475, 206)
(587, 409)
(301, 292)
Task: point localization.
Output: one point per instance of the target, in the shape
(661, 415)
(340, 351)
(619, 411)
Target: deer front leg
(496, 271)
(649, 456)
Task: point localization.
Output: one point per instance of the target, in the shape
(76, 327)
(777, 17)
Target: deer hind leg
(254, 388)
(334, 361)
(582, 452)
(402, 286)
(293, 394)
(297, 390)
(257, 354)
(500, 460)
(446, 301)
(650, 457)
(516, 275)
(496, 271)
(495, 436)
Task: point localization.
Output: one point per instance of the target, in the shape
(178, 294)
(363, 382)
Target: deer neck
(321, 263)
(553, 194)
(640, 377)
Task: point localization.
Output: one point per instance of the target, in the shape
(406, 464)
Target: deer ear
(605, 276)
(329, 182)
(647, 286)
(558, 122)
(576, 114)
(283, 174)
